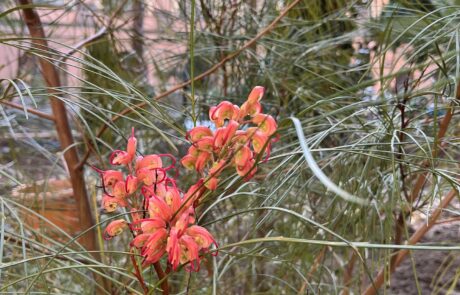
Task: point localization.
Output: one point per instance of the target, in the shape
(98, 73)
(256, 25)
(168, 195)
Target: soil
(435, 271)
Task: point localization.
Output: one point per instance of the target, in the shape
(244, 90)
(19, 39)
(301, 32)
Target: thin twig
(449, 220)
(29, 110)
(98, 35)
(197, 78)
(138, 275)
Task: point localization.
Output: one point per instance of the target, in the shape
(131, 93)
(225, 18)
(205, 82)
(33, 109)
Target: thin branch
(98, 35)
(138, 275)
(214, 68)
(29, 110)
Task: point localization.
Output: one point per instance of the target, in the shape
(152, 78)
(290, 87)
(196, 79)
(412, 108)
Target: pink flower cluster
(162, 218)
(237, 129)
(167, 225)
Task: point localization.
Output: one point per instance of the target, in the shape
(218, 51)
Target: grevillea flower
(155, 246)
(149, 162)
(243, 155)
(198, 133)
(162, 218)
(266, 124)
(224, 111)
(132, 183)
(119, 190)
(194, 193)
(247, 170)
(201, 236)
(225, 134)
(237, 139)
(248, 109)
(258, 139)
(150, 225)
(158, 207)
(110, 177)
(201, 161)
(115, 228)
(110, 204)
(256, 94)
(188, 161)
(212, 183)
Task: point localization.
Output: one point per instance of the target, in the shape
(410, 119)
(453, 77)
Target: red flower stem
(138, 275)
(162, 278)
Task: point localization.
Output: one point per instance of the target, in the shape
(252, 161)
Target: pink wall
(70, 27)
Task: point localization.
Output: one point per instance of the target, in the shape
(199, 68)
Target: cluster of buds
(241, 134)
(161, 218)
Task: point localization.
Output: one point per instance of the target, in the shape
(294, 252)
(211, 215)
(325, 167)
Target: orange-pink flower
(256, 94)
(250, 109)
(109, 203)
(132, 145)
(225, 134)
(212, 183)
(224, 111)
(188, 161)
(201, 236)
(266, 124)
(152, 224)
(110, 177)
(258, 139)
(119, 157)
(202, 160)
(149, 162)
(115, 228)
(247, 170)
(185, 247)
(119, 190)
(198, 133)
(158, 207)
(243, 155)
(154, 247)
(131, 184)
